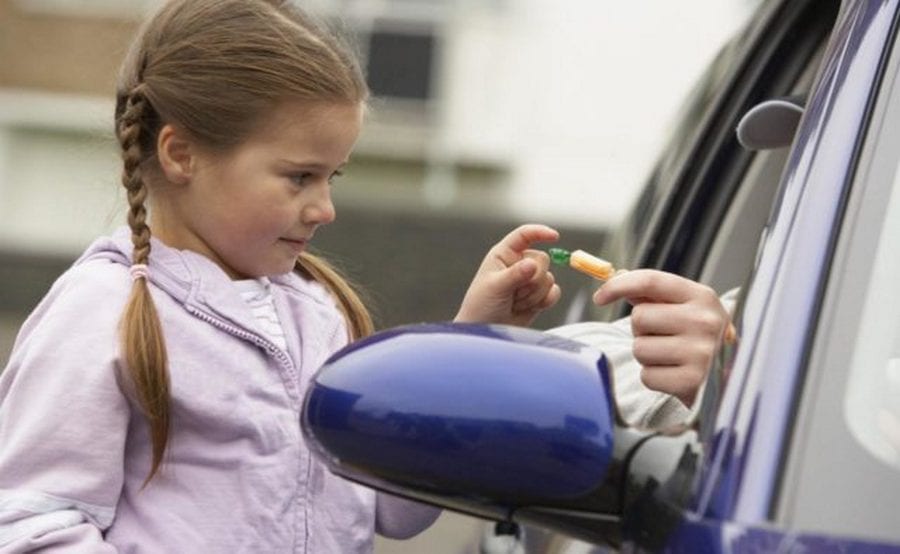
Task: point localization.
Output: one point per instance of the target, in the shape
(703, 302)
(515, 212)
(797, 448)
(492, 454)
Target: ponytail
(359, 321)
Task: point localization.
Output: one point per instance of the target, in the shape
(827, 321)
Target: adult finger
(668, 350)
(651, 318)
(650, 285)
(680, 382)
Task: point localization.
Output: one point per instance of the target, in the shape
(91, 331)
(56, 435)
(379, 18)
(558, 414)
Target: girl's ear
(176, 155)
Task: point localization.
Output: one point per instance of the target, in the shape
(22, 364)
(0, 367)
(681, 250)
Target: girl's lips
(297, 245)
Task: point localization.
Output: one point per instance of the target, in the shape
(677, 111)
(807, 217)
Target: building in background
(486, 113)
(522, 109)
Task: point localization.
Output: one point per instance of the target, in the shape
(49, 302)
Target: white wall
(573, 96)
(59, 171)
(578, 94)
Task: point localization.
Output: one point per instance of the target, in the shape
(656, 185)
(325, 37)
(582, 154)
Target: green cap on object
(559, 256)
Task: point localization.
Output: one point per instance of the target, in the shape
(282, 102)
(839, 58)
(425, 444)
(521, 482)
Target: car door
(797, 423)
(838, 471)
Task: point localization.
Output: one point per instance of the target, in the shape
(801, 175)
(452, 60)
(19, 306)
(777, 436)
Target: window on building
(400, 64)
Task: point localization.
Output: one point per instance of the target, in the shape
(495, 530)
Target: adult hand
(677, 325)
(513, 284)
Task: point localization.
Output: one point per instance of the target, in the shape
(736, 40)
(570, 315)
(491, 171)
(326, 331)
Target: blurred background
(487, 114)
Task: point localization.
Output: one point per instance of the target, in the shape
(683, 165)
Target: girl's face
(253, 209)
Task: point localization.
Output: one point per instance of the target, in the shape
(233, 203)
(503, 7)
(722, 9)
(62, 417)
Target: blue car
(783, 181)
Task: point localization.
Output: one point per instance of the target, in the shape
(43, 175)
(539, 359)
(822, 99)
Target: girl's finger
(536, 291)
(512, 246)
(539, 302)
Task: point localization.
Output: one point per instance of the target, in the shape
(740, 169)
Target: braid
(143, 344)
(129, 136)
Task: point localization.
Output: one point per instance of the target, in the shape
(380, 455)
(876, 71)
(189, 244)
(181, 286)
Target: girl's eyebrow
(311, 165)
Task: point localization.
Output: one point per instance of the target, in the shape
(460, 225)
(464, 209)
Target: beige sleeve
(637, 404)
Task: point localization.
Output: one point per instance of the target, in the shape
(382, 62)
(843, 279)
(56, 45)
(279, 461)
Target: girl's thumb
(518, 274)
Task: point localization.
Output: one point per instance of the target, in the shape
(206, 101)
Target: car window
(843, 467)
(622, 247)
(872, 398)
(733, 250)
(683, 210)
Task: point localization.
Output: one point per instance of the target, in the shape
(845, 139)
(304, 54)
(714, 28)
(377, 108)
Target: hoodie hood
(193, 279)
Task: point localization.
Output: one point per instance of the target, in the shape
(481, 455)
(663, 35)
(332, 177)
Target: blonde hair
(215, 68)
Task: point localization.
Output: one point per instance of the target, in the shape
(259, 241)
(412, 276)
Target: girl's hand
(677, 325)
(513, 283)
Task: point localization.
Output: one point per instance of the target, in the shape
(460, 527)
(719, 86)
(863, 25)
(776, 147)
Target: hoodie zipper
(288, 365)
(271, 348)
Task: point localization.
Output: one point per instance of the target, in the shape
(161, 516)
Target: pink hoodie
(74, 450)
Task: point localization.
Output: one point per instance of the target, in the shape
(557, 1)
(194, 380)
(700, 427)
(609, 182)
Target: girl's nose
(320, 209)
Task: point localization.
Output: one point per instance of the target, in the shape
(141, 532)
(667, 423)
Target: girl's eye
(301, 179)
(335, 175)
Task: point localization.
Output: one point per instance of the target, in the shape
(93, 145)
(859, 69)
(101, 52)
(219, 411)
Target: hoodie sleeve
(63, 419)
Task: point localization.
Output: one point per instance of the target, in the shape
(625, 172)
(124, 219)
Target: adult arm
(677, 324)
(638, 402)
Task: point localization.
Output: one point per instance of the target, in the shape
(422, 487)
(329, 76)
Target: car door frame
(751, 419)
(754, 419)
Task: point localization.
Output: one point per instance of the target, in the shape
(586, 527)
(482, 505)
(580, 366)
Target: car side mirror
(489, 420)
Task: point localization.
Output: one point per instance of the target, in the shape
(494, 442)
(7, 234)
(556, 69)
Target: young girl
(152, 400)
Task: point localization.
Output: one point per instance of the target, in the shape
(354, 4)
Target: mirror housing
(483, 419)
